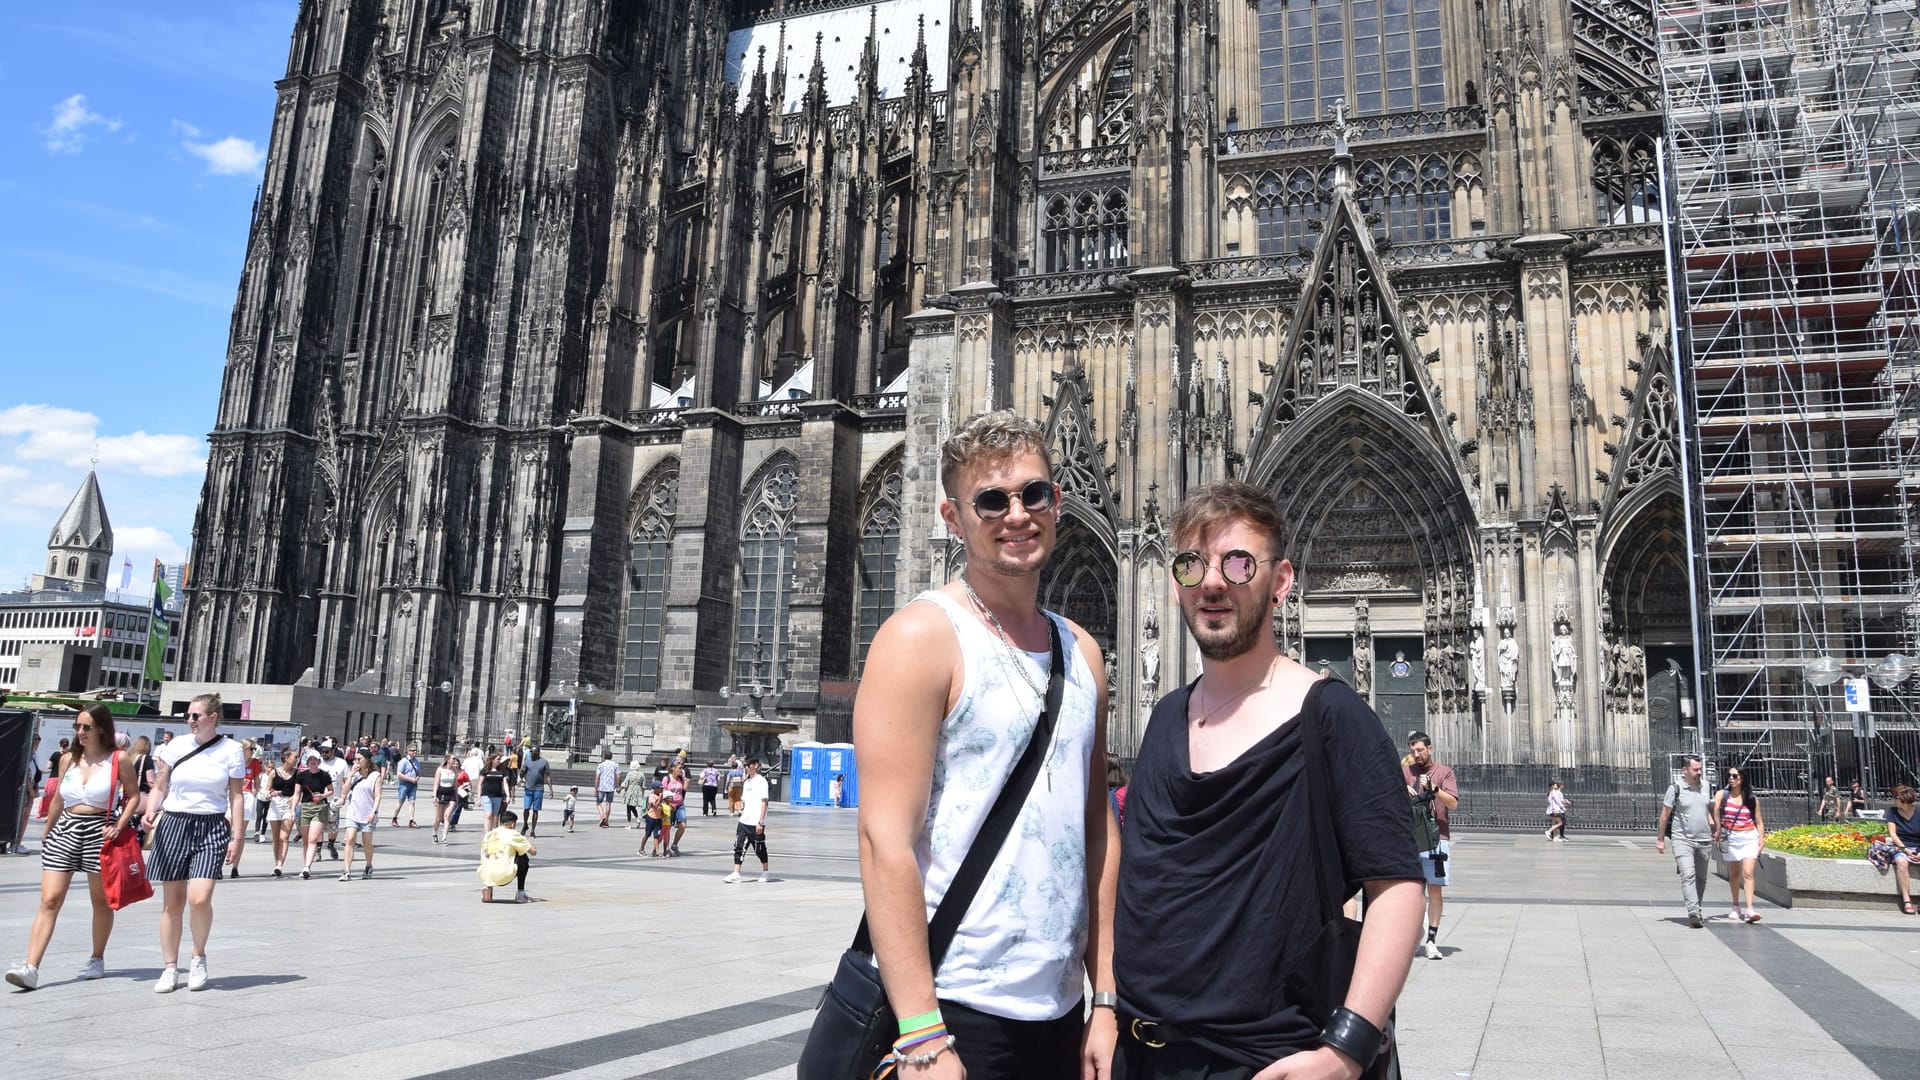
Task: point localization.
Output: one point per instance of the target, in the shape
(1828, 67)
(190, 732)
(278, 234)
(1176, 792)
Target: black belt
(1153, 1034)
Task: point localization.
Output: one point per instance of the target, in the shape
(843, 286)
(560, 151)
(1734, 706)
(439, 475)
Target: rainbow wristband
(915, 1023)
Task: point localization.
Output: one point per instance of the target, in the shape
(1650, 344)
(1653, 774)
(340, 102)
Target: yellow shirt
(497, 851)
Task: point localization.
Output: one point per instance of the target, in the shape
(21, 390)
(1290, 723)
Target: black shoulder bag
(1321, 974)
(855, 1026)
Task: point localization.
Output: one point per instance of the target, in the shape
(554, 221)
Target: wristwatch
(1106, 999)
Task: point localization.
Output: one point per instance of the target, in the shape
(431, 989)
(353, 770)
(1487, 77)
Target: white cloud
(184, 128)
(42, 496)
(72, 438)
(143, 544)
(71, 119)
(231, 156)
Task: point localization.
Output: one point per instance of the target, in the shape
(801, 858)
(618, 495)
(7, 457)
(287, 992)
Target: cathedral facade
(591, 357)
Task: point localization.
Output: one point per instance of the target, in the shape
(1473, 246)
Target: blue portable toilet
(836, 759)
(803, 775)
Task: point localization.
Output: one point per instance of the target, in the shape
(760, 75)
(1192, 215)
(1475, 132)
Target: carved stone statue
(1363, 663)
(1509, 659)
(1565, 665)
(1477, 661)
(1150, 651)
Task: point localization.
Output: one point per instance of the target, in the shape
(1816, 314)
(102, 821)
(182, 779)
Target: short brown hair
(989, 436)
(1211, 506)
(1903, 793)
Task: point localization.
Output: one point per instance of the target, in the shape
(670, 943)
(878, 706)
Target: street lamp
(1820, 673)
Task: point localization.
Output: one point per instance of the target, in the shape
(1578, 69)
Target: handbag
(123, 869)
(855, 1025)
(1320, 975)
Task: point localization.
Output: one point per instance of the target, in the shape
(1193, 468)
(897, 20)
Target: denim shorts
(533, 799)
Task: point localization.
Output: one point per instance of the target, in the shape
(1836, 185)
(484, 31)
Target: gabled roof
(85, 523)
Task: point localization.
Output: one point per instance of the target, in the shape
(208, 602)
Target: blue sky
(131, 139)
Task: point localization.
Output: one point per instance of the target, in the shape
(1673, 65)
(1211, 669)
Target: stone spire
(81, 542)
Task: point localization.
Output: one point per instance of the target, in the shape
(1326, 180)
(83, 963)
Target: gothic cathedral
(591, 357)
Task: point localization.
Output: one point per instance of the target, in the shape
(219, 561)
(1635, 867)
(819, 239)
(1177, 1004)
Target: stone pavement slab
(1560, 960)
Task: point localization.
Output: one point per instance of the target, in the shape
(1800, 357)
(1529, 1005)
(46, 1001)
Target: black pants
(708, 793)
(633, 813)
(995, 1048)
(521, 864)
(744, 835)
(261, 806)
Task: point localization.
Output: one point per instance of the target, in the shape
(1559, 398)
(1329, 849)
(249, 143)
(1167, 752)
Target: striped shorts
(189, 846)
(73, 844)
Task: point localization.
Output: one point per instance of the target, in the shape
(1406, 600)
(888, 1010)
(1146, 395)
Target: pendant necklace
(1017, 660)
(1216, 710)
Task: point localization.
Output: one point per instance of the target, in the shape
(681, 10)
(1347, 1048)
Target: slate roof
(85, 523)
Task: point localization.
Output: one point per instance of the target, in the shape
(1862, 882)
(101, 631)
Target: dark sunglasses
(993, 503)
(1236, 566)
(83, 727)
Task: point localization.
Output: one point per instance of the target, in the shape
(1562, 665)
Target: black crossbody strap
(195, 752)
(999, 824)
(1333, 878)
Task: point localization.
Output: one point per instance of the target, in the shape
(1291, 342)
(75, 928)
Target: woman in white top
(362, 812)
(196, 782)
(79, 820)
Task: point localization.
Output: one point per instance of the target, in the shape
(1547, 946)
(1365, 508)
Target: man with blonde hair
(957, 684)
(1264, 796)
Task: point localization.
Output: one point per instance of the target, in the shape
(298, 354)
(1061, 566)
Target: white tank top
(1019, 952)
(95, 791)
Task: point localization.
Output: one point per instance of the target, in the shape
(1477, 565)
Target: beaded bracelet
(930, 1056)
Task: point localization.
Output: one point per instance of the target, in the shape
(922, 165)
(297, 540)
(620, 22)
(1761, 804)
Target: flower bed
(1844, 840)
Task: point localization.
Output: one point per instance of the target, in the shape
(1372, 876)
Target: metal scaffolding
(1794, 139)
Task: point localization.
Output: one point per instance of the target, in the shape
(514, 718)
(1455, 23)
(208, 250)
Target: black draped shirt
(1219, 886)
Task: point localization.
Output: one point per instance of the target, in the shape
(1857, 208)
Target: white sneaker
(168, 982)
(764, 878)
(96, 969)
(1430, 949)
(24, 976)
(197, 977)
(731, 878)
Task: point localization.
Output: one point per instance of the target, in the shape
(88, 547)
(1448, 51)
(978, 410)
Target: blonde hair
(989, 436)
(210, 703)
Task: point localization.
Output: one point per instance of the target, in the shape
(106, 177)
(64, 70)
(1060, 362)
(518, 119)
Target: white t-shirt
(753, 801)
(339, 770)
(200, 785)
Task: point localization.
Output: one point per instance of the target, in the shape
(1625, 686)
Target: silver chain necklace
(1017, 660)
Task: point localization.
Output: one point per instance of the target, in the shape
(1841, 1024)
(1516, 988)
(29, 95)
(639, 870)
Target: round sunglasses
(993, 503)
(1236, 566)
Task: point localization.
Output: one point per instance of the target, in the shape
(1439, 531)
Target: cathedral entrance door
(1333, 654)
(1400, 687)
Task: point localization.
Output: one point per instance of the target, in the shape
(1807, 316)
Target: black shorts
(189, 846)
(446, 796)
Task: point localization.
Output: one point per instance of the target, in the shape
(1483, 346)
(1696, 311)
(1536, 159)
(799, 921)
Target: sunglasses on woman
(1236, 566)
(993, 503)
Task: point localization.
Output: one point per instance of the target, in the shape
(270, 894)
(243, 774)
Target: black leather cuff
(1351, 1034)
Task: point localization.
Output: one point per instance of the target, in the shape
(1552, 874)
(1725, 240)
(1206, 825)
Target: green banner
(159, 629)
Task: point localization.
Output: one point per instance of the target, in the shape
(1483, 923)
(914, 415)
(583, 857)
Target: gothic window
(1116, 98)
(1380, 56)
(780, 243)
(1085, 230)
(1286, 206)
(766, 570)
(73, 567)
(652, 513)
(1626, 181)
(373, 180)
(432, 205)
(879, 554)
(93, 570)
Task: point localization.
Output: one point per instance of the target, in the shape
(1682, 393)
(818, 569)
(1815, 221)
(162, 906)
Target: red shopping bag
(123, 867)
(123, 870)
